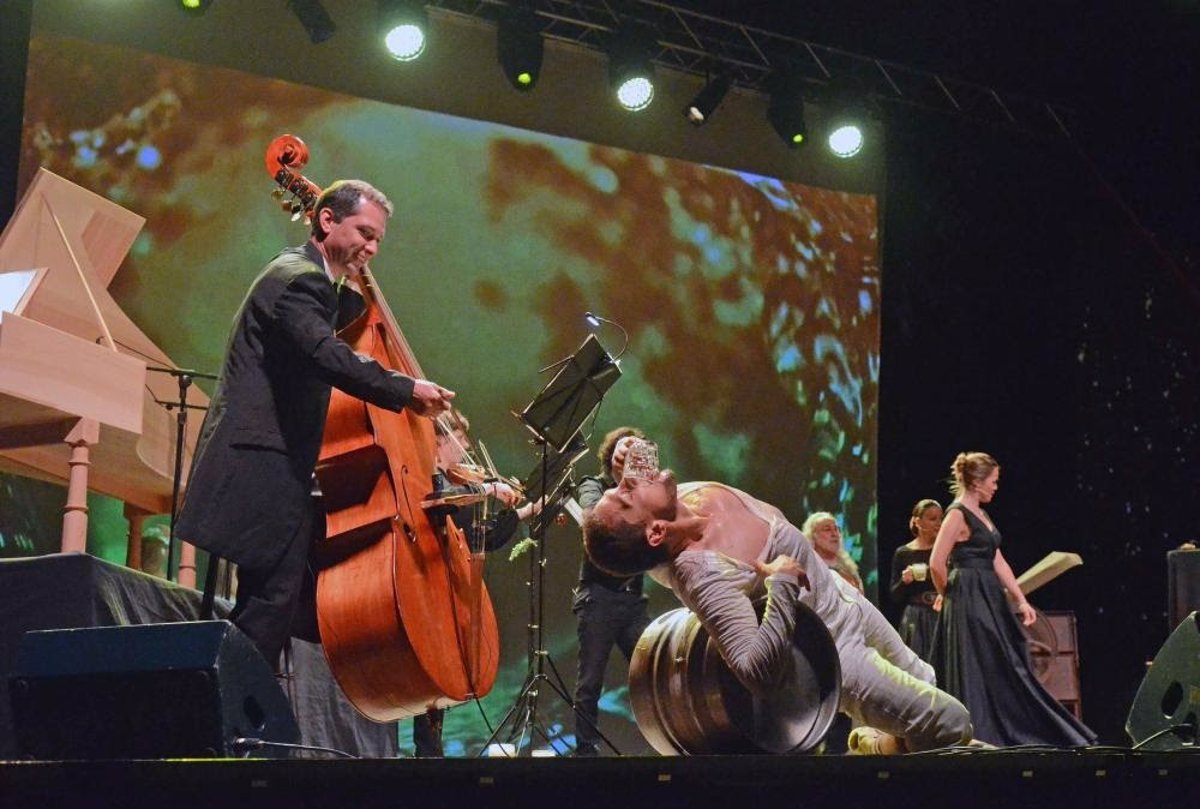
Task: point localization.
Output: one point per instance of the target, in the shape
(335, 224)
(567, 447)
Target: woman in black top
(910, 582)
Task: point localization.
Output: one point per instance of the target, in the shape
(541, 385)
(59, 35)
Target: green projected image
(751, 303)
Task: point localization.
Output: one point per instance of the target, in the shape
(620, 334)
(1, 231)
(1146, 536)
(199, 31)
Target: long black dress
(981, 657)
(918, 622)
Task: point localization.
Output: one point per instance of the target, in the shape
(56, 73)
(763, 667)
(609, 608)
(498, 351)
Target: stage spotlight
(196, 7)
(315, 19)
(630, 70)
(846, 140)
(707, 100)
(848, 110)
(785, 110)
(520, 48)
(404, 24)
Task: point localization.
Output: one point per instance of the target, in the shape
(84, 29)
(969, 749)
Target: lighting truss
(690, 41)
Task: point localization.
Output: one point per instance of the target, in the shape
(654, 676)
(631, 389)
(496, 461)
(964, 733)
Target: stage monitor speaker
(1054, 654)
(1166, 709)
(147, 691)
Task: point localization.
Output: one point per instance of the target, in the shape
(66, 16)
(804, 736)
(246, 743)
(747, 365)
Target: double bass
(404, 616)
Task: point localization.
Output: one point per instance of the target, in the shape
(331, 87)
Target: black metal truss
(697, 43)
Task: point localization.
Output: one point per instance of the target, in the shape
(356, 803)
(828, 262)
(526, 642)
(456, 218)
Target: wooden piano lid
(82, 238)
(98, 234)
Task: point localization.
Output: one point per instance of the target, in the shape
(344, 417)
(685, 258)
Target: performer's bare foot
(979, 744)
(868, 741)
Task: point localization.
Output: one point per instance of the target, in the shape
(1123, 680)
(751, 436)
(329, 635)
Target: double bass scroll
(405, 619)
(286, 156)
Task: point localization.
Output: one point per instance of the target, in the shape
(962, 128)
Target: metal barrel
(686, 701)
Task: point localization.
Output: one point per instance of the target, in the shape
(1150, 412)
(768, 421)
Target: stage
(79, 591)
(1100, 777)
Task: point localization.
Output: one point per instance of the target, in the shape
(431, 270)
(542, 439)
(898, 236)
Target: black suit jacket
(251, 480)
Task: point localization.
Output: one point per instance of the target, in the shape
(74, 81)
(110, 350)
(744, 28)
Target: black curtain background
(1028, 314)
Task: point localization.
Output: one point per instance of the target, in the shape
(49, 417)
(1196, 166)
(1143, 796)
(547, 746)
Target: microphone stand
(184, 376)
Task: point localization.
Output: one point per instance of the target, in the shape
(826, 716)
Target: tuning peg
(277, 192)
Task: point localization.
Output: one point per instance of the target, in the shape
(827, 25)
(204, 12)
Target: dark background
(1040, 294)
(1040, 298)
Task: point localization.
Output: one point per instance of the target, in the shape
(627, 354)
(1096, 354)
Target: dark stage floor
(1096, 777)
(76, 591)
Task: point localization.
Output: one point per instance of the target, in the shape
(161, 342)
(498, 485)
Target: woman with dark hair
(980, 652)
(910, 583)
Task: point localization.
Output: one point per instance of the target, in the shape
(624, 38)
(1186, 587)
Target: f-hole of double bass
(409, 533)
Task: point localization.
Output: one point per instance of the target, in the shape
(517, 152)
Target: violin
(469, 473)
(467, 470)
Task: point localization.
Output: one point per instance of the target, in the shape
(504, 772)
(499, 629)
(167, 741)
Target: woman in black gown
(910, 583)
(980, 652)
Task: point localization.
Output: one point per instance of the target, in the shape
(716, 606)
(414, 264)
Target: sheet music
(572, 507)
(17, 287)
(1051, 566)
(574, 393)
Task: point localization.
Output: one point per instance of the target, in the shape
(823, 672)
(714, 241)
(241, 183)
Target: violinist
(251, 495)
(464, 486)
(460, 479)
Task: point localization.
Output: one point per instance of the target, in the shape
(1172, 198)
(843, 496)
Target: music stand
(557, 413)
(555, 416)
(556, 468)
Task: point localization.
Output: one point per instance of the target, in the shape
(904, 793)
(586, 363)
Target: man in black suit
(250, 496)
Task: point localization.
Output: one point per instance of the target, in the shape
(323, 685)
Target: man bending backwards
(719, 550)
